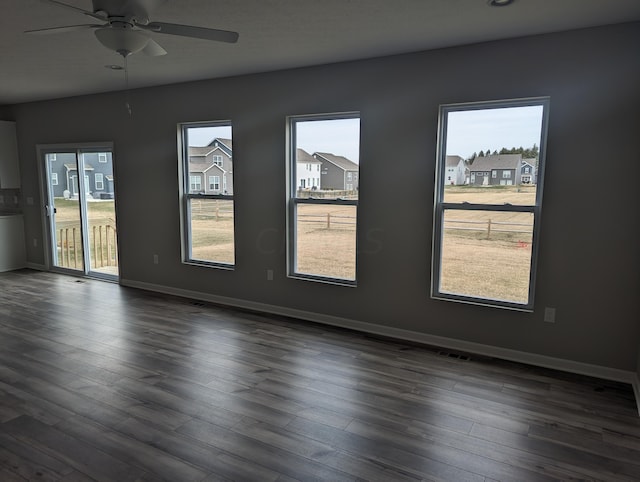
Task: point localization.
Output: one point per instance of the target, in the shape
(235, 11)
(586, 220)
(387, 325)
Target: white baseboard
(37, 267)
(408, 335)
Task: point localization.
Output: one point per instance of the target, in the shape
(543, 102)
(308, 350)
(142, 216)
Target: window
(494, 174)
(52, 157)
(207, 218)
(486, 235)
(217, 161)
(54, 176)
(195, 184)
(99, 182)
(102, 157)
(322, 221)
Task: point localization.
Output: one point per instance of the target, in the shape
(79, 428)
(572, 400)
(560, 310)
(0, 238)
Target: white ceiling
(274, 34)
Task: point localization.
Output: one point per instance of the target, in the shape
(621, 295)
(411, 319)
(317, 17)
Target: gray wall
(589, 235)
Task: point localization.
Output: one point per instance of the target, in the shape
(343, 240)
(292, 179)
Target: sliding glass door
(80, 210)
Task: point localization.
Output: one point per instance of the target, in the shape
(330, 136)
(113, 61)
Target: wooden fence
(102, 244)
(489, 226)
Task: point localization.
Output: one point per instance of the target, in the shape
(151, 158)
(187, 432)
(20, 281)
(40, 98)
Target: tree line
(527, 153)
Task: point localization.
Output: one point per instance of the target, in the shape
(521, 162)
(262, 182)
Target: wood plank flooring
(101, 382)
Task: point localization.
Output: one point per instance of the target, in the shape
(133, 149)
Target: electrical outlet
(269, 275)
(550, 315)
(156, 260)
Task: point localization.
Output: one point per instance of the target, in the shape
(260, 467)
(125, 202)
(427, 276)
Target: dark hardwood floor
(101, 382)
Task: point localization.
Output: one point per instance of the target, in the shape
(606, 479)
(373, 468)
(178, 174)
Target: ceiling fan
(126, 26)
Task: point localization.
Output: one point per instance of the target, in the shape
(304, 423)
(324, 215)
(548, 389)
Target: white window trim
(99, 180)
(214, 181)
(54, 178)
(102, 157)
(293, 201)
(187, 196)
(440, 206)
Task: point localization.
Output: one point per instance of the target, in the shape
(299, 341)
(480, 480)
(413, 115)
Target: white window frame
(506, 174)
(213, 182)
(102, 157)
(187, 195)
(99, 180)
(217, 160)
(195, 180)
(54, 178)
(440, 206)
(294, 201)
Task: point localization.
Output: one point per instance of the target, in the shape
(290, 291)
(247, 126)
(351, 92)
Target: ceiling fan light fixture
(125, 41)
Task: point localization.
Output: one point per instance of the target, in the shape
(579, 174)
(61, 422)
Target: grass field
(482, 256)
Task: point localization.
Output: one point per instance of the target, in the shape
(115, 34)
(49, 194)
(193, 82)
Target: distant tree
(472, 158)
(504, 150)
(481, 154)
(495, 153)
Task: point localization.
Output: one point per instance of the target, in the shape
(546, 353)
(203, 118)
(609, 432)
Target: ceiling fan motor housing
(130, 11)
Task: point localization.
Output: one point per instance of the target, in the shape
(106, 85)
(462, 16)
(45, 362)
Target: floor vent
(458, 356)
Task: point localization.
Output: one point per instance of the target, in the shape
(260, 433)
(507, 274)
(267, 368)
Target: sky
(467, 132)
(475, 130)
(340, 136)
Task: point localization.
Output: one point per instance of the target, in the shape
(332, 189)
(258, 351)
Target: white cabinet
(12, 247)
(9, 170)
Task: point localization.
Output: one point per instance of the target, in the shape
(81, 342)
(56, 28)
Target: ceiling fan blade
(77, 9)
(67, 28)
(191, 31)
(154, 49)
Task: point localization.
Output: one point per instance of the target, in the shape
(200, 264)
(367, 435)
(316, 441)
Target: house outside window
(485, 242)
(207, 218)
(99, 179)
(321, 245)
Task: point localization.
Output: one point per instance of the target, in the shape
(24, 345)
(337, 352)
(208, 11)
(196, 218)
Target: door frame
(47, 243)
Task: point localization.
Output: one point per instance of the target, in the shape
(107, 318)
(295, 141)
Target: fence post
(95, 248)
(66, 237)
(489, 229)
(61, 248)
(217, 213)
(75, 250)
(328, 220)
(101, 247)
(115, 246)
(106, 235)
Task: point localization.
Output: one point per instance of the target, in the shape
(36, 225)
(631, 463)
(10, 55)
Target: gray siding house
(211, 168)
(338, 172)
(528, 171)
(496, 170)
(98, 174)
